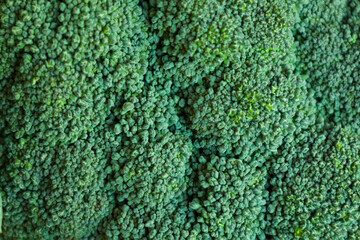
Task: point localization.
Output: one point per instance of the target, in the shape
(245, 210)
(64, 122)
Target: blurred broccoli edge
(181, 119)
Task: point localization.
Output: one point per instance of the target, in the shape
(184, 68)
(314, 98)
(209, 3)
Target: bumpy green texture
(180, 119)
(315, 189)
(328, 53)
(1, 214)
(230, 203)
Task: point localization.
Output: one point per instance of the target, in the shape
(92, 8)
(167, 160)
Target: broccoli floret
(327, 52)
(1, 214)
(150, 189)
(314, 186)
(313, 178)
(230, 201)
(180, 119)
(58, 191)
(70, 63)
(67, 75)
(246, 108)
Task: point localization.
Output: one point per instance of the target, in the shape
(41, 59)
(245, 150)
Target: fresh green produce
(180, 119)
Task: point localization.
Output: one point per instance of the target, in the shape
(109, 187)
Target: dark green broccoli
(1, 214)
(315, 187)
(328, 57)
(231, 199)
(180, 119)
(314, 177)
(69, 64)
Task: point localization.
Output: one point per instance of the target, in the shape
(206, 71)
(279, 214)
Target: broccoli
(1, 214)
(314, 177)
(69, 64)
(315, 187)
(230, 201)
(180, 119)
(327, 53)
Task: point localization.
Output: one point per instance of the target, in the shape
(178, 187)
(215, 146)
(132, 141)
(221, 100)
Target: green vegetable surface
(180, 119)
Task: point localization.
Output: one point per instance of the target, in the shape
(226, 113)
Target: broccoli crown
(69, 63)
(64, 78)
(231, 200)
(250, 100)
(315, 187)
(328, 55)
(186, 119)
